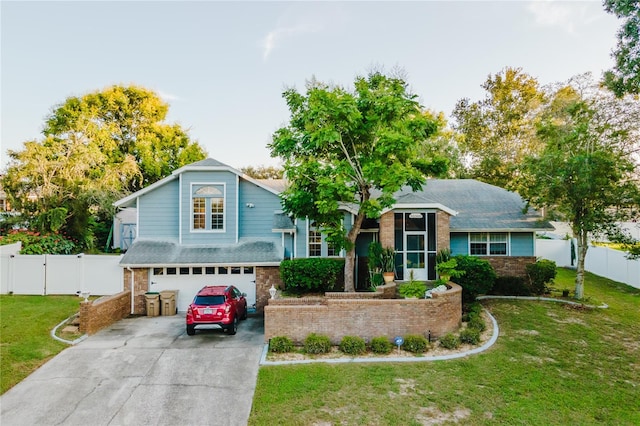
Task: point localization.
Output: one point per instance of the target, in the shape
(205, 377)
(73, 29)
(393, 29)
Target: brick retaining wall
(366, 318)
(98, 314)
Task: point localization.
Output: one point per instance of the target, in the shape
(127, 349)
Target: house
(207, 224)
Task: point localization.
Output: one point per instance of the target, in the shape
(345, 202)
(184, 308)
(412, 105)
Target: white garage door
(188, 280)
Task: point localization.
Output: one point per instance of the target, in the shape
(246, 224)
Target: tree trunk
(350, 260)
(583, 241)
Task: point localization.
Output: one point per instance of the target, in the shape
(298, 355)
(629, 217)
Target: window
(196, 270)
(315, 244)
(184, 271)
(210, 270)
(488, 243)
(171, 271)
(478, 244)
(248, 269)
(331, 250)
(158, 271)
(208, 207)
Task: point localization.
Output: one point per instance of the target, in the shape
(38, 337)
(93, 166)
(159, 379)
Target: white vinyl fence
(601, 261)
(59, 274)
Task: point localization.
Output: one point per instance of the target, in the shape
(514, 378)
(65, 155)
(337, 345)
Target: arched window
(208, 207)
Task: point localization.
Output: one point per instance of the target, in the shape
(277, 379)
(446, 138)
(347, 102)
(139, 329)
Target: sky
(222, 66)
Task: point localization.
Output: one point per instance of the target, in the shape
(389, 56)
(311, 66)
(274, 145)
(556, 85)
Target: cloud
(278, 35)
(167, 97)
(565, 15)
(299, 19)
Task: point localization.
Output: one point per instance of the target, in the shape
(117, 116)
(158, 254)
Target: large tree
(587, 171)
(95, 148)
(625, 76)
(341, 145)
(498, 131)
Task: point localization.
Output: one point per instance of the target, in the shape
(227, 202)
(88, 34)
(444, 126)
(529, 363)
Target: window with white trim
(208, 207)
(488, 243)
(315, 243)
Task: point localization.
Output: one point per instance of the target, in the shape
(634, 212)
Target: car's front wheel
(233, 327)
(191, 329)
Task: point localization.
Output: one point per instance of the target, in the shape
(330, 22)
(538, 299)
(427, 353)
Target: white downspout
(132, 295)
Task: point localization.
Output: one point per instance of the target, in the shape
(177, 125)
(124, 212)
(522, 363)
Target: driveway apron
(144, 371)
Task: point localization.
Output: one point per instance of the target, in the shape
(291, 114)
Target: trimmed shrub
(381, 345)
(353, 345)
(315, 274)
(539, 274)
(479, 277)
(450, 341)
(477, 322)
(317, 344)
(470, 335)
(280, 344)
(415, 343)
(471, 310)
(511, 286)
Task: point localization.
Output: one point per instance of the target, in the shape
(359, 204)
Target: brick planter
(366, 317)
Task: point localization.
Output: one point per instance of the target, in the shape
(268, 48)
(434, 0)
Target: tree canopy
(498, 131)
(586, 171)
(263, 172)
(340, 145)
(95, 149)
(625, 76)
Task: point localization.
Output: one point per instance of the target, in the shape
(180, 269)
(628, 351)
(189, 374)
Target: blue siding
(158, 212)
(257, 221)
(522, 244)
(301, 238)
(459, 243)
(228, 236)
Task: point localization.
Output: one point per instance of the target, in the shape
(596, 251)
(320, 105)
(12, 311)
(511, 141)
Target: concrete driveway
(144, 371)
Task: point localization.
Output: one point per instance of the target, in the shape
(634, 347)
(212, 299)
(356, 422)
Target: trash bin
(168, 301)
(153, 304)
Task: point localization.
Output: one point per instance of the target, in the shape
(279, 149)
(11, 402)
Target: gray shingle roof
(153, 252)
(480, 206)
(281, 221)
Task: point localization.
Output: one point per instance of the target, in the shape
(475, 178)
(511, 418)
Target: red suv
(217, 305)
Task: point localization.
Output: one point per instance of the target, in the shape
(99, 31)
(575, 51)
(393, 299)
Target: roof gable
(208, 164)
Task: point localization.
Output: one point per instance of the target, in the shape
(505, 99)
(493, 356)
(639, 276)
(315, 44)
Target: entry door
(415, 258)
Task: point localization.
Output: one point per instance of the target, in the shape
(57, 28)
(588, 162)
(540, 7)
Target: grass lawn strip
(26, 343)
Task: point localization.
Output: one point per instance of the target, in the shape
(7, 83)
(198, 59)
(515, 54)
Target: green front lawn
(25, 340)
(553, 364)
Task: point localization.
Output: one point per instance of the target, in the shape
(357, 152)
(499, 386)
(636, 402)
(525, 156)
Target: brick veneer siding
(140, 285)
(443, 228)
(510, 266)
(367, 318)
(265, 276)
(98, 314)
(386, 230)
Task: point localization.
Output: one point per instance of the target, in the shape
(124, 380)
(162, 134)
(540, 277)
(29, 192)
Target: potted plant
(446, 266)
(388, 264)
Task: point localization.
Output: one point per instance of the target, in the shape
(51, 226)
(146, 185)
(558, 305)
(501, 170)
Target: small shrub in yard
(381, 345)
(317, 344)
(478, 278)
(415, 343)
(280, 344)
(450, 341)
(470, 335)
(539, 274)
(477, 322)
(471, 310)
(353, 345)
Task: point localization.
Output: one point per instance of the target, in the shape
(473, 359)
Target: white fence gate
(59, 274)
(601, 261)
